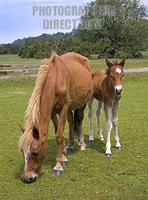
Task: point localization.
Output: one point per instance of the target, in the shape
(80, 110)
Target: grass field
(96, 63)
(89, 175)
(14, 59)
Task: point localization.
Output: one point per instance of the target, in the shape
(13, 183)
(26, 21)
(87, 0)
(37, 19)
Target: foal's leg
(90, 115)
(70, 119)
(98, 115)
(108, 113)
(58, 169)
(81, 141)
(115, 123)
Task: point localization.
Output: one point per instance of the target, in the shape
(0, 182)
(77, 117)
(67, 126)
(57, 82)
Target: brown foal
(107, 89)
(63, 84)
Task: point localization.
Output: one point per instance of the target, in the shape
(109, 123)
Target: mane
(33, 110)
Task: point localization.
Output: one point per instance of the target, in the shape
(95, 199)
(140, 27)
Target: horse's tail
(77, 122)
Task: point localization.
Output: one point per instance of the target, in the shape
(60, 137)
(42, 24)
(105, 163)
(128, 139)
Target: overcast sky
(17, 19)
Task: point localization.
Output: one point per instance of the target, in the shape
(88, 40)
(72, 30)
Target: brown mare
(63, 84)
(107, 89)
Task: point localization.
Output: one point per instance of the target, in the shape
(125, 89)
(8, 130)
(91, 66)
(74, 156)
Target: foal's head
(34, 150)
(115, 73)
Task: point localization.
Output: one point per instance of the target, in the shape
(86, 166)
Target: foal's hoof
(69, 149)
(57, 172)
(91, 138)
(101, 138)
(83, 147)
(108, 155)
(118, 148)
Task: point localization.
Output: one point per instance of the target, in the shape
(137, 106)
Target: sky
(21, 18)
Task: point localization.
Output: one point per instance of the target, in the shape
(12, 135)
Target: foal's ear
(109, 64)
(122, 63)
(22, 127)
(35, 133)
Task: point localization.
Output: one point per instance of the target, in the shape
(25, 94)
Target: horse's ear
(122, 63)
(107, 71)
(109, 64)
(35, 133)
(22, 127)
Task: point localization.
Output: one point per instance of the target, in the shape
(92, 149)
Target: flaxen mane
(33, 109)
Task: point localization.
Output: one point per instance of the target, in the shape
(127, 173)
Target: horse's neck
(48, 101)
(107, 89)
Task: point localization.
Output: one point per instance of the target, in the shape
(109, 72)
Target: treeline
(123, 32)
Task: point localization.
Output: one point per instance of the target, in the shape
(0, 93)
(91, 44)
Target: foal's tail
(77, 122)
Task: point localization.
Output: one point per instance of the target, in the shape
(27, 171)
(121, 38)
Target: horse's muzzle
(118, 90)
(30, 180)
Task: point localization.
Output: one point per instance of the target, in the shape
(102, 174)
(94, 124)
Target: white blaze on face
(118, 70)
(26, 154)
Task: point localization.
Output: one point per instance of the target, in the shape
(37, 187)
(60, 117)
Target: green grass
(130, 63)
(14, 59)
(95, 63)
(89, 175)
(145, 54)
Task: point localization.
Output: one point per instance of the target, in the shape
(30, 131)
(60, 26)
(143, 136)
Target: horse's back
(79, 77)
(72, 58)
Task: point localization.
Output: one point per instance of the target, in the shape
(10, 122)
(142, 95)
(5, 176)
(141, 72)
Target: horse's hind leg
(70, 120)
(115, 124)
(81, 139)
(98, 116)
(90, 115)
(58, 169)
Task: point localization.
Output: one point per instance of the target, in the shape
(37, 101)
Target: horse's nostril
(118, 90)
(30, 180)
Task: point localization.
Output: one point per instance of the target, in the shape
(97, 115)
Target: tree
(123, 26)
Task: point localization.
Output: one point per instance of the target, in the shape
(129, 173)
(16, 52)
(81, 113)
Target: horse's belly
(80, 94)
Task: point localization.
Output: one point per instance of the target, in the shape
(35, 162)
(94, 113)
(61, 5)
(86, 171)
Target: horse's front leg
(90, 116)
(98, 118)
(108, 113)
(55, 119)
(115, 123)
(61, 158)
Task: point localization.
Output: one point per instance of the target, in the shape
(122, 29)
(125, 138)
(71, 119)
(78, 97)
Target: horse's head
(34, 150)
(116, 73)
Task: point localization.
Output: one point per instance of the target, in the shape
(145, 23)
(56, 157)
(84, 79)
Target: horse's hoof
(65, 163)
(83, 148)
(102, 139)
(108, 155)
(57, 172)
(91, 139)
(118, 148)
(69, 149)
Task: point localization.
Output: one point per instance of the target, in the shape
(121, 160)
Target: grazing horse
(63, 84)
(107, 89)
